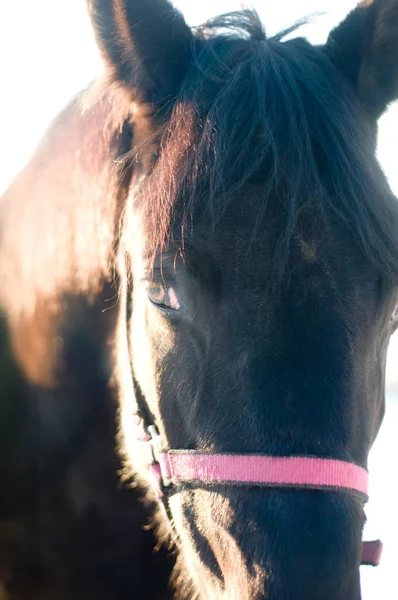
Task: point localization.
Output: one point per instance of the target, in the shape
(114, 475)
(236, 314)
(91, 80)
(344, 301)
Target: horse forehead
(241, 250)
(249, 228)
(308, 250)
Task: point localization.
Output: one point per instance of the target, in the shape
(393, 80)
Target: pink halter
(179, 466)
(187, 466)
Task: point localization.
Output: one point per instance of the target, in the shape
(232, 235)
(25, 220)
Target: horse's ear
(365, 48)
(146, 45)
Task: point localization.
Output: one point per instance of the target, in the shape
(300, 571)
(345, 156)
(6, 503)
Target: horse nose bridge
(293, 404)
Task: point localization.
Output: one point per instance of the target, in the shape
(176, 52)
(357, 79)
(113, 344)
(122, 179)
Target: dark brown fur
(239, 170)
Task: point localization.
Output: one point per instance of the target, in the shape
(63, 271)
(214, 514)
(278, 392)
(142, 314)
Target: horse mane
(250, 110)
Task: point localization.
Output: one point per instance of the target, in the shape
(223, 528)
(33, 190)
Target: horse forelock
(249, 112)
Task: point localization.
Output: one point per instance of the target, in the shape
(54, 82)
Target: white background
(47, 54)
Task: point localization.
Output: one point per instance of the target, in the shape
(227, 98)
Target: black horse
(206, 239)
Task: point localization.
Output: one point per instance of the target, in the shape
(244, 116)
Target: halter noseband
(178, 466)
(175, 467)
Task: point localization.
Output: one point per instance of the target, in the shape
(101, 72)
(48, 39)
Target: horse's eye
(162, 296)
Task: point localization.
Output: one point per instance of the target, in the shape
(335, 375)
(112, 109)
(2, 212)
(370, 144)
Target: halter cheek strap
(177, 467)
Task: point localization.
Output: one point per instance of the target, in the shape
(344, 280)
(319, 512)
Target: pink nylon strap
(180, 466)
(371, 553)
(297, 472)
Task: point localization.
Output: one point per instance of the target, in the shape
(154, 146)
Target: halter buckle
(156, 449)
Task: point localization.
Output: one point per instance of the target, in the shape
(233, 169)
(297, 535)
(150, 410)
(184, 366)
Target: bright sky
(47, 54)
